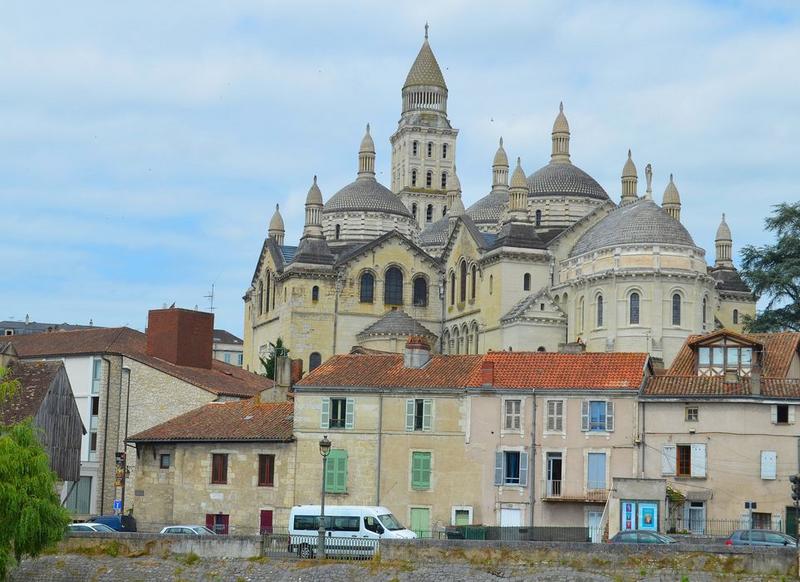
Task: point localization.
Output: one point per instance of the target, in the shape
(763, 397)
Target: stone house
(720, 426)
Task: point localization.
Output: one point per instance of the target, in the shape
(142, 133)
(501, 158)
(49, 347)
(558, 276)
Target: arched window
(260, 297)
(446, 342)
(429, 179)
(633, 308)
(266, 303)
(474, 287)
(526, 282)
(413, 178)
(491, 284)
(429, 212)
(414, 206)
(475, 336)
(338, 231)
(393, 286)
(420, 297)
(430, 149)
(705, 310)
(367, 287)
(676, 309)
(414, 148)
(444, 151)
(462, 279)
(315, 293)
(452, 288)
(444, 210)
(541, 349)
(444, 180)
(581, 313)
(599, 311)
(735, 316)
(456, 341)
(538, 218)
(314, 360)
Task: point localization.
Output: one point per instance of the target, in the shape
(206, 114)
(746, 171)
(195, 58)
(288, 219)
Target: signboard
(118, 505)
(119, 471)
(648, 516)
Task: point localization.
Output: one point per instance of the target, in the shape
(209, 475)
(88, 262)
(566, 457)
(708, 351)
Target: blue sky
(143, 145)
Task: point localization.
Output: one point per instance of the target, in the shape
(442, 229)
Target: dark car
(125, 523)
(640, 537)
(760, 537)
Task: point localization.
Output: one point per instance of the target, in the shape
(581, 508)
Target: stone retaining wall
(138, 544)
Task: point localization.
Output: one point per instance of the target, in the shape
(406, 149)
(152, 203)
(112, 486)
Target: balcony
(558, 490)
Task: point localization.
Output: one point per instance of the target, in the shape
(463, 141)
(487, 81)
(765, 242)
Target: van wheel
(305, 552)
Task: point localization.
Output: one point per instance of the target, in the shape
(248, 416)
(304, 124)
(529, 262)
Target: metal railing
(517, 533)
(714, 527)
(558, 490)
(284, 545)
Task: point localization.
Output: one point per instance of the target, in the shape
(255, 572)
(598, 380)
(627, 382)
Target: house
(227, 347)
(720, 425)
(125, 382)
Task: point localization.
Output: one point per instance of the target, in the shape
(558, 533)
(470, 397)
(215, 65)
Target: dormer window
(727, 356)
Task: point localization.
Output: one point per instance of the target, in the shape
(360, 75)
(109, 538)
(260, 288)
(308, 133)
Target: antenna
(210, 298)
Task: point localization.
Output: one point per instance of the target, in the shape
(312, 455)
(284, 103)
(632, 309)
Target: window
(266, 470)
(226, 357)
(315, 293)
(93, 445)
(444, 210)
(430, 149)
(684, 460)
(716, 359)
(314, 360)
(266, 303)
(414, 148)
(240, 359)
(444, 151)
(581, 314)
(596, 471)
(338, 231)
(414, 183)
(692, 413)
(599, 311)
(367, 287)
(336, 471)
(491, 284)
(393, 287)
(782, 414)
(462, 277)
(419, 414)
(511, 468)
(474, 286)
(338, 411)
(735, 317)
(633, 308)
(513, 409)
(79, 497)
(260, 297)
(538, 218)
(444, 180)
(95, 406)
(164, 461)
(420, 296)
(428, 184)
(218, 523)
(219, 469)
(597, 415)
(414, 206)
(452, 288)
(676, 309)
(526, 282)
(769, 464)
(555, 415)
(705, 306)
(97, 374)
(420, 470)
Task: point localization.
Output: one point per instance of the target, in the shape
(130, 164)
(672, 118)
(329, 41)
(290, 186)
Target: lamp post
(324, 450)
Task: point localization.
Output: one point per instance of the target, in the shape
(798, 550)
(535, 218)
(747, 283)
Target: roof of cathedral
(489, 208)
(560, 125)
(276, 223)
(366, 194)
(425, 70)
(724, 231)
(728, 280)
(642, 222)
(313, 251)
(437, 233)
(396, 322)
(564, 179)
(671, 194)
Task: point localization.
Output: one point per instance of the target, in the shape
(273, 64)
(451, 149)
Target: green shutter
(336, 472)
(420, 470)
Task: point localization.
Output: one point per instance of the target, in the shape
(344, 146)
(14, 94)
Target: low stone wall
(615, 557)
(139, 544)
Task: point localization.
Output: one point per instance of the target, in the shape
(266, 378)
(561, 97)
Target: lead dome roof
(366, 194)
(490, 208)
(559, 179)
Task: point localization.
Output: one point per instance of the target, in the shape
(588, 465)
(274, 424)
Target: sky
(144, 145)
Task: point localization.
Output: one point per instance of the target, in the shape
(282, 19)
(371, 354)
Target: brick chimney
(287, 373)
(181, 336)
(297, 370)
(755, 379)
(417, 352)
(487, 374)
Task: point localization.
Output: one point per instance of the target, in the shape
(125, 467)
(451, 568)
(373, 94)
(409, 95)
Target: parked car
(761, 537)
(89, 527)
(638, 536)
(192, 530)
(125, 523)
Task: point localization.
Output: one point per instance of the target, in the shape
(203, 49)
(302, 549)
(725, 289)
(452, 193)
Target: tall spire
(560, 137)
(672, 200)
(276, 227)
(313, 225)
(724, 243)
(500, 168)
(366, 157)
(425, 87)
(629, 181)
(518, 197)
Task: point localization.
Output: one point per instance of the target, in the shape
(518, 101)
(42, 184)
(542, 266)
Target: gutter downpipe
(125, 445)
(380, 446)
(105, 437)
(532, 463)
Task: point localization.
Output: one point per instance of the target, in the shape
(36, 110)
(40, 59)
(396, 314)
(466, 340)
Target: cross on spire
(426, 31)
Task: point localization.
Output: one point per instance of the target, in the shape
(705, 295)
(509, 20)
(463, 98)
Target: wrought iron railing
(556, 489)
(280, 545)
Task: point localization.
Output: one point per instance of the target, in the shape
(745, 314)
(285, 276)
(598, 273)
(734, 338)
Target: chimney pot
(487, 373)
(417, 352)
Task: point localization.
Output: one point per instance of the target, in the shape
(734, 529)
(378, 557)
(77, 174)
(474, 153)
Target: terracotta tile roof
(35, 379)
(779, 349)
(705, 386)
(243, 420)
(540, 370)
(221, 378)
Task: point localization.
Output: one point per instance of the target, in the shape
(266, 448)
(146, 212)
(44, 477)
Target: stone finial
(426, 31)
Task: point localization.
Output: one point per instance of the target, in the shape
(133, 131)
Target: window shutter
(668, 453)
(427, 414)
(774, 412)
(523, 469)
(410, 414)
(349, 413)
(330, 471)
(698, 468)
(415, 470)
(342, 480)
(609, 416)
(324, 418)
(769, 462)
(560, 415)
(498, 468)
(585, 415)
(551, 415)
(791, 413)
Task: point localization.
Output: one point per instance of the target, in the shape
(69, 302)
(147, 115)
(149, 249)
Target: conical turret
(560, 138)
(672, 200)
(313, 224)
(366, 156)
(500, 168)
(276, 226)
(629, 181)
(518, 194)
(724, 244)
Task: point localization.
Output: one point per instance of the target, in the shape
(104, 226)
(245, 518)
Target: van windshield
(390, 522)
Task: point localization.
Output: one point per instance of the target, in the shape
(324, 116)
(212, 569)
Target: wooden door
(421, 521)
(266, 521)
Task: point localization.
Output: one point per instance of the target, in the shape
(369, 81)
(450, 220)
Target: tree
(773, 271)
(275, 350)
(31, 516)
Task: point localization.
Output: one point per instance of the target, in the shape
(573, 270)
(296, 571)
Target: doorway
(554, 465)
(593, 521)
(217, 522)
(510, 517)
(265, 522)
(421, 521)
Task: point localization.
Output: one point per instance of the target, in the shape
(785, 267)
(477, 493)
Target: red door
(266, 521)
(217, 522)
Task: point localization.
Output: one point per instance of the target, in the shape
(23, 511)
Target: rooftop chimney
(487, 374)
(755, 379)
(181, 336)
(287, 372)
(417, 352)
(577, 347)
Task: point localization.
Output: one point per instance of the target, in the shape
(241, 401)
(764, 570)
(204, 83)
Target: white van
(349, 529)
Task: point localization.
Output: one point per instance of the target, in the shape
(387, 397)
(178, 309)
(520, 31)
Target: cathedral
(543, 259)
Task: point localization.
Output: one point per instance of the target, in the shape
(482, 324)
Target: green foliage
(31, 517)
(276, 349)
(773, 271)
(190, 559)
(7, 387)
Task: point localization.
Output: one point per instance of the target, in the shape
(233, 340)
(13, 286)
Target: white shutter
(698, 468)
(668, 453)
(585, 415)
(551, 415)
(498, 467)
(523, 469)
(769, 464)
(427, 414)
(410, 414)
(609, 416)
(774, 412)
(791, 413)
(349, 413)
(559, 415)
(325, 415)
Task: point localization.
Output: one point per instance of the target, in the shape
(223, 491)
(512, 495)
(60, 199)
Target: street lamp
(324, 450)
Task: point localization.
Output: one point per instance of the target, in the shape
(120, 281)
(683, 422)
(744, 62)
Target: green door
(791, 521)
(421, 521)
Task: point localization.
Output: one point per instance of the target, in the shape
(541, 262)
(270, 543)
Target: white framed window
(511, 468)
(555, 416)
(692, 413)
(782, 414)
(337, 413)
(512, 414)
(597, 416)
(684, 460)
(769, 465)
(461, 515)
(419, 414)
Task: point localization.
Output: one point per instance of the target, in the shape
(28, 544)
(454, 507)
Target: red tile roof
(596, 371)
(243, 420)
(706, 386)
(35, 380)
(221, 378)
